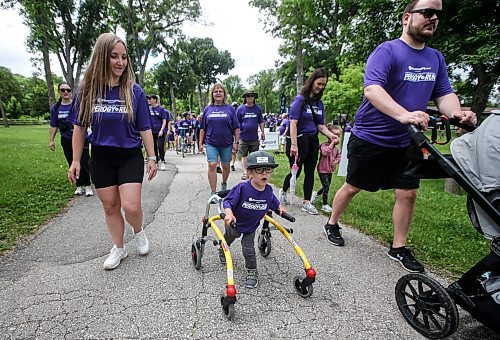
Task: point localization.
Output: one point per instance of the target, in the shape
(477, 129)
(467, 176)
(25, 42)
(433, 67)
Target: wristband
(152, 158)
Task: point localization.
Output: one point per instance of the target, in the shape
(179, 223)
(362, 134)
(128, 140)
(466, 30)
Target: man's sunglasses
(429, 12)
(262, 170)
(65, 90)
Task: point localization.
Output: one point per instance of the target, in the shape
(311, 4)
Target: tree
(234, 88)
(150, 24)
(13, 108)
(206, 62)
(9, 86)
(344, 96)
(264, 82)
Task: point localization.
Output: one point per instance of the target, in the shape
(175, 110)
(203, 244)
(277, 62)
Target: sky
(235, 28)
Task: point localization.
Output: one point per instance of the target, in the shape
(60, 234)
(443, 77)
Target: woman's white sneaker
(309, 208)
(116, 255)
(326, 208)
(142, 243)
(88, 191)
(79, 191)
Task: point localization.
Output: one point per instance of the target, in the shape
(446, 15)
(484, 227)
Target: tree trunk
(299, 60)
(483, 90)
(4, 116)
(199, 98)
(48, 72)
(451, 186)
(172, 98)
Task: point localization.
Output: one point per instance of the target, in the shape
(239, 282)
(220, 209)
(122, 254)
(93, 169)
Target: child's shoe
(222, 257)
(252, 280)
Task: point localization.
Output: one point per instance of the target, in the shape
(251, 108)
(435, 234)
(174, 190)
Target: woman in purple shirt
(220, 133)
(61, 119)
(307, 117)
(115, 107)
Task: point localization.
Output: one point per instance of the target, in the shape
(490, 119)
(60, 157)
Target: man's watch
(152, 158)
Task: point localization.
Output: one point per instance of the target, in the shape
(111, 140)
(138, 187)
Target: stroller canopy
(477, 154)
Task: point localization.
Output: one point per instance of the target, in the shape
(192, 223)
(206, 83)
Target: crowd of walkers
(110, 112)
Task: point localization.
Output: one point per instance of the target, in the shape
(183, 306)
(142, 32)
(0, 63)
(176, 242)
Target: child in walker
(328, 160)
(245, 205)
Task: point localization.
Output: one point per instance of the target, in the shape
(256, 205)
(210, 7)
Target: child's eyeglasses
(262, 170)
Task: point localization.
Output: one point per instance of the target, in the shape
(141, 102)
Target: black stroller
(475, 164)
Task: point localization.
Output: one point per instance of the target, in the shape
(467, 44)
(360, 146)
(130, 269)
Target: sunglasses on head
(262, 170)
(65, 90)
(429, 12)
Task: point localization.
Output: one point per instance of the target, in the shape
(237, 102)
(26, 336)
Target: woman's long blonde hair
(98, 76)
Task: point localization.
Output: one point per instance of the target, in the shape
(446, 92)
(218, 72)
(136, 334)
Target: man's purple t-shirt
(219, 123)
(284, 124)
(249, 205)
(110, 124)
(157, 115)
(63, 114)
(249, 119)
(411, 77)
(306, 122)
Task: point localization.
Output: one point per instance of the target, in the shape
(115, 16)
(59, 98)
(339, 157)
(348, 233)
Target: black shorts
(373, 167)
(110, 166)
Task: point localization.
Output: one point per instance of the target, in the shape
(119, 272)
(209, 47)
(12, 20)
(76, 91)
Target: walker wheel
(307, 291)
(196, 254)
(264, 245)
(426, 306)
(227, 308)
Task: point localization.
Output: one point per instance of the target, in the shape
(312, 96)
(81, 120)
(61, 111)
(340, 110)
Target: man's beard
(418, 34)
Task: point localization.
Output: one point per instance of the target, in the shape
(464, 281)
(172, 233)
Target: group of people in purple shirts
(401, 76)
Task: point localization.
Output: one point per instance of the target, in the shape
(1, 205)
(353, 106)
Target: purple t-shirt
(249, 119)
(110, 125)
(411, 77)
(249, 205)
(307, 123)
(284, 124)
(62, 117)
(157, 115)
(219, 123)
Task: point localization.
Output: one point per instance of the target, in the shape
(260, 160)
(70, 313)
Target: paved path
(55, 287)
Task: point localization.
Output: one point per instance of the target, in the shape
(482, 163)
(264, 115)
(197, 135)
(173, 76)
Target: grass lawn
(34, 186)
(441, 236)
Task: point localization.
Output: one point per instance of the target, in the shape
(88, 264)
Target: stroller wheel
(196, 254)
(227, 308)
(426, 306)
(303, 292)
(264, 245)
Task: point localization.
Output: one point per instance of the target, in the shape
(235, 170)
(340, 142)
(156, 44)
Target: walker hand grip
(286, 216)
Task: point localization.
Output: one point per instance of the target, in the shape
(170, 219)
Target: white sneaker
(326, 208)
(79, 191)
(162, 166)
(142, 243)
(314, 195)
(116, 255)
(89, 192)
(309, 208)
(282, 197)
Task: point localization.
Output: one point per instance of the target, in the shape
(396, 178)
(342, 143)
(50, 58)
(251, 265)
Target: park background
(337, 35)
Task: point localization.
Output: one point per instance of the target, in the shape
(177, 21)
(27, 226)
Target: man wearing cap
(250, 118)
(160, 121)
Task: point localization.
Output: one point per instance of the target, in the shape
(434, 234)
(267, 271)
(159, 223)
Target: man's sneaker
(406, 258)
(79, 191)
(233, 168)
(88, 191)
(219, 170)
(223, 186)
(162, 166)
(142, 243)
(309, 208)
(326, 208)
(314, 195)
(252, 280)
(282, 197)
(222, 257)
(333, 234)
(116, 255)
